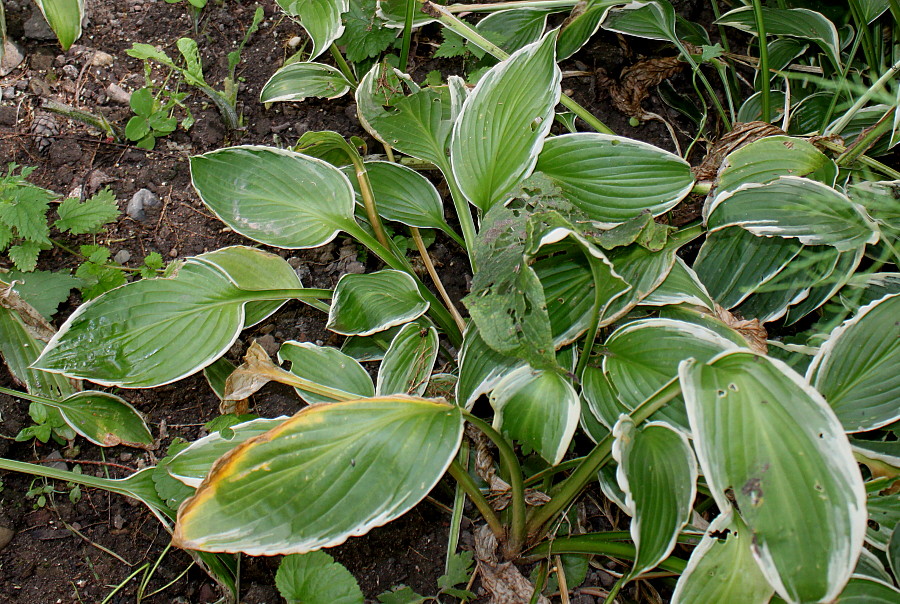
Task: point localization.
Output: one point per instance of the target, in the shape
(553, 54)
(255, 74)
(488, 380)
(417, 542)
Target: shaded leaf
(407, 364)
(326, 366)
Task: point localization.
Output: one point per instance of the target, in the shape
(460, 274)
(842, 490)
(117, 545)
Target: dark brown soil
(80, 552)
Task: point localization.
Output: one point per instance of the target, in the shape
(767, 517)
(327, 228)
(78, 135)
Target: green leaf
(539, 409)
(320, 18)
(394, 12)
(365, 34)
(98, 278)
(20, 348)
(856, 369)
(43, 290)
(454, 45)
(764, 435)
(581, 25)
(64, 17)
(407, 364)
(191, 54)
(794, 22)
(299, 81)
(601, 398)
(25, 209)
(459, 570)
(401, 594)
(328, 367)
(611, 178)
(681, 286)
(274, 196)
(364, 304)
(651, 20)
(658, 474)
(192, 464)
(501, 128)
(793, 207)
(25, 255)
(88, 217)
(512, 29)
(315, 578)
(137, 128)
(864, 590)
(105, 419)
(893, 550)
(142, 103)
(331, 472)
(722, 567)
(480, 368)
(216, 375)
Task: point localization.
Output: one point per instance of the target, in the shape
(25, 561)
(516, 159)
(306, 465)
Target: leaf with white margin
(408, 362)
(793, 207)
(581, 25)
(275, 196)
(512, 29)
(481, 368)
(328, 473)
(601, 398)
(681, 286)
(539, 409)
(320, 18)
(658, 474)
(870, 566)
(104, 419)
(722, 567)
(764, 435)
(642, 356)
(829, 285)
(394, 12)
(866, 590)
(326, 366)
(858, 369)
(795, 22)
(612, 178)
(650, 20)
(364, 304)
(501, 128)
(863, 289)
(64, 18)
(192, 465)
(296, 82)
(590, 424)
(253, 269)
(884, 513)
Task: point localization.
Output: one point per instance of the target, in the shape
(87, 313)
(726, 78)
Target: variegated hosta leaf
(865, 590)
(512, 29)
(299, 81)
(766, 437)
(480, 368)
(581, 25)
(328, 473)
(651, 20)
(722, 567)
(275, 196)
(364, 304)
(501, 128)
(394, 12)
(407, 364)
(601, 397)
(326, 366)
(20, 348)
(320, 18)
(681, 286)
(858, 369)
(155, 331)
(658, 474)
(793, 207)
(105, 419)
(191, 465)
(828, 285)
(539, 409)
(613, 178)
(64, 17)
(643, 356)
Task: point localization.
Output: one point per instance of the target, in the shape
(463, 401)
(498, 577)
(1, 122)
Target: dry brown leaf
(36, 325)
(753, 331)
(742, 134)
(503, 581)
(635, 83)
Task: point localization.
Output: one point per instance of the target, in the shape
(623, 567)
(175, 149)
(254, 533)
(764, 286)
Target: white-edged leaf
(328, 473)
(408, 362)
(764, 435)
(299, 81)
(105, 419)
(658, 474)
(512, 29)
(480, 368)
(539, 409)
(866, 590)
(364, 304)
(601, 397)
(64, 18)
(501, 128)
(613, 178)
(650, 20)
(320, 18)
(326, 366)
(274, 196)
(681, 286)
(581, 25)
(858, 369)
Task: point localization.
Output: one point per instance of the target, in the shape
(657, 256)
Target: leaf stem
(368, 198)
(567, 490)
(463, 211)
(464, 480)
(591, 334)
(31, 397)
(764, 75)
(407, 34)
(514, 472)
(863, 159)
(429, 266)
(343, 66)
(874, 89)
(499, 6)
(591, 544)
(869, 137)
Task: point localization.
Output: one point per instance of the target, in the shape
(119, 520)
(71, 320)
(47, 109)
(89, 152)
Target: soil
(80, 552)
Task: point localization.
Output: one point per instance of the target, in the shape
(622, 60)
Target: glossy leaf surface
(105, 419)
(299, 81)
(364, 304)
(407, 364)
(320, 18)
(326, 366)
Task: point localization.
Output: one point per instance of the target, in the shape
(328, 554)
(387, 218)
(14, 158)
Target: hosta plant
(588, 320)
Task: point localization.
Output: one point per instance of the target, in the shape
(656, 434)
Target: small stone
(12, 57)
(36, 28)
(268, 343)
(97, 179)
(126, 456)
(9, 93)
(101, 59)
(59, 465)
(70, 71)
(8, 115)
(77, 192)
(6, 535)
(122, 256)
(173, 252)
(118, 521)
(143, 198)
(295, 42)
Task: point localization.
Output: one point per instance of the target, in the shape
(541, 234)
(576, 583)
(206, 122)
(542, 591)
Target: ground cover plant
(754, 467)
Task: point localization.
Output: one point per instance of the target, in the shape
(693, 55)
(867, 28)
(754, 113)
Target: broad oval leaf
(403, 195)
(105, 419)
(407, 364)
(722, 567)
(866, 590)
(315, 578)
(793, 207)
(681, 286)
(581, 25)
(501, 128)
(328, 473)
(539, 409)
(300, 81)
(601, 398)
(364, 304)
(764, 435)
(512, 29)
(858, 369)
(192, 464)
(326, 366)
(320, 18)
(64, 18)
(613, 178)
(651, 20)
(481, 368)
(150, 332)
(658, 474)
(274, 196)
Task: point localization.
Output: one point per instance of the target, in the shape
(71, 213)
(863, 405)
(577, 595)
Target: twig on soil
(97, 545)
(88, 461)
